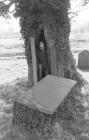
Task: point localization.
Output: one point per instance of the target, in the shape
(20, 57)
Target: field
(12, 60)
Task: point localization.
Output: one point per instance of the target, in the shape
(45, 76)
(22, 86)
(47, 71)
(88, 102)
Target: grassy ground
(64, 129)
(8, 94)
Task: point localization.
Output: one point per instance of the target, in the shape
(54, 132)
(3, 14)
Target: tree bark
(29, 60)
(65, 62)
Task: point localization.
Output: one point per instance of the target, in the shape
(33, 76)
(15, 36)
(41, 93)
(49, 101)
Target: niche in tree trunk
(42, 58)
(45, 57)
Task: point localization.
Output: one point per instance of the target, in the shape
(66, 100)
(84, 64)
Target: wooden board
(34, 60)
(53, 61)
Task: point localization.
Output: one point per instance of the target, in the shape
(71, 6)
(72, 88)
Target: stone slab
(51, 91)
(48, 94)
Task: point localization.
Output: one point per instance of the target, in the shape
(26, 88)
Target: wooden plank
(34, 60)
(60, 72)
(53, 61)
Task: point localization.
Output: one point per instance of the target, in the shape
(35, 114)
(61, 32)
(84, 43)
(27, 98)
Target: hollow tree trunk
(63, 65)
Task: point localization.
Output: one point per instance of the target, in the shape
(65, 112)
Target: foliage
(5, 5)
(74, 13)
(85, 2)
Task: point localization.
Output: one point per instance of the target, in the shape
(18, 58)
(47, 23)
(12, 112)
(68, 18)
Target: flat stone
(39, 108)
(48, 94)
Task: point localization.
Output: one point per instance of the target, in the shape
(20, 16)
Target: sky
(9, 25)
(81, 19)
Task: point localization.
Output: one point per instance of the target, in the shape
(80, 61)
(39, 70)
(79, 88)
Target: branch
(4, 7)
(74, 14)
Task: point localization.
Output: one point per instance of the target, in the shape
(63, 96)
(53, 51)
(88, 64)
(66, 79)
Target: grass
(65, 129)
(10, 93)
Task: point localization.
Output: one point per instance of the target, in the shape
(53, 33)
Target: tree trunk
(64, 59)
(62, 62)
